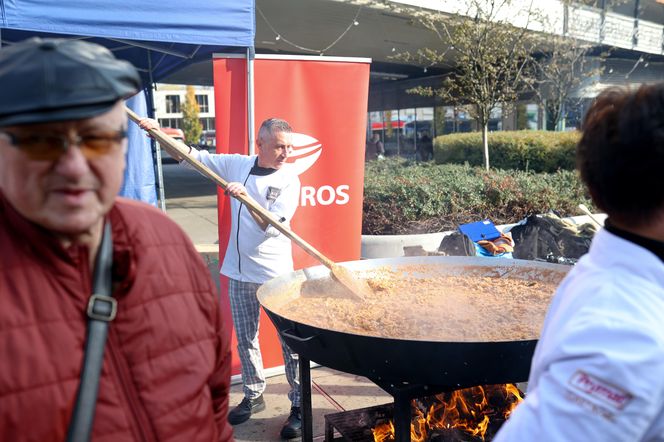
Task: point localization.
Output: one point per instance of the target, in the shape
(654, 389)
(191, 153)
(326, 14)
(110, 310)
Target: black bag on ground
(457, 244)
(548, 235)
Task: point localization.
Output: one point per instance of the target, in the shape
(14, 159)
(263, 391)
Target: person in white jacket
(257, 252)
(598, 369)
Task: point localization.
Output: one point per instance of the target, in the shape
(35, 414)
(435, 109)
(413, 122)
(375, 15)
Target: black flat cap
(47, 80)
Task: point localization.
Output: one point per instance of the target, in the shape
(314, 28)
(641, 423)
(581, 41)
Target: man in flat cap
(83, 271)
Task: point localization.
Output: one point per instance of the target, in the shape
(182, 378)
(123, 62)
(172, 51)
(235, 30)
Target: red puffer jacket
(166, 366)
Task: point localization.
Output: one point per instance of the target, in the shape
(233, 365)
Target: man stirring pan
(598, 369)
(256, 253)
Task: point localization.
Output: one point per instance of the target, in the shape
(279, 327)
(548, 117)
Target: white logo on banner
(306, 150)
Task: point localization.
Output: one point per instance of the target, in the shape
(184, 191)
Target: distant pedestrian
(374, 149)
(425, 147)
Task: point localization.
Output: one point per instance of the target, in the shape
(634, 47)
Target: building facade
(168, 101)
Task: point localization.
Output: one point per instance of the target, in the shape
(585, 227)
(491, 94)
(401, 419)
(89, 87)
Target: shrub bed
(405, 197)
(537, 151)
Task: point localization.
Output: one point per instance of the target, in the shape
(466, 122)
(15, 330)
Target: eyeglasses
(51, 147)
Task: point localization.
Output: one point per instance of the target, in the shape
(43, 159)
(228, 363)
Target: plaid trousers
(246, 313)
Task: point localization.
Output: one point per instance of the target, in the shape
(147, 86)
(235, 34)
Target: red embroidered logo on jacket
(600, 390)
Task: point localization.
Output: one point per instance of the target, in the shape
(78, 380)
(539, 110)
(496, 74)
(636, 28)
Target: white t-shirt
(598, 369)
(254, 255)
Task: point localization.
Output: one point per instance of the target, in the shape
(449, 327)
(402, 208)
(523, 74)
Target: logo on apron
(272, 193)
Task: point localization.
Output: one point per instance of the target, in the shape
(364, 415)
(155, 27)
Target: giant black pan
(453, 364)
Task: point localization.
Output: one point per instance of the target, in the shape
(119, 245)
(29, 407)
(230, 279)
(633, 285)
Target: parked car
(207, 141)
(176, 134)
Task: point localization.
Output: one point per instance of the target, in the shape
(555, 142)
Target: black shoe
(245, 409)
(293, 426)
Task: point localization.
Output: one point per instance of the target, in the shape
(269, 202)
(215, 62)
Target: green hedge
(402, 197)
(537, 151)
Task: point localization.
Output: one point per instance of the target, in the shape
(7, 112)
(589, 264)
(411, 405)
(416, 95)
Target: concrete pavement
(332, 392)
(191, 201)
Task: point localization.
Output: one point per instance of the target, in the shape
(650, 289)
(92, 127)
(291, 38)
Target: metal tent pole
(155, 145)
(251, 54)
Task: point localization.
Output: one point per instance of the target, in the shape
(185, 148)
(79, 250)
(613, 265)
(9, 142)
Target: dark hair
(621, 153)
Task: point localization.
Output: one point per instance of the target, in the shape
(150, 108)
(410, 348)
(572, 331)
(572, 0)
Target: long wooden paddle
(358, 288)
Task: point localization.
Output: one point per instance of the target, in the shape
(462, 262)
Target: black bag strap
(102, 308)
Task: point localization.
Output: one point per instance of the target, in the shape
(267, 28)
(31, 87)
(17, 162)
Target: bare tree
(558, 72)
(487, 54)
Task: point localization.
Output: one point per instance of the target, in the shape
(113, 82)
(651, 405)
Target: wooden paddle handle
(587, 212)
(178, 149)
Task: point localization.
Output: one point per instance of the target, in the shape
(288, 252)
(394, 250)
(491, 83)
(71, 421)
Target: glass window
(575, 111)
(526, 116)
(464, 122)
(171, 122)
(172, 104)
(390, 130)
(532, 111)
(424, 118)
(409, 128)
(439, 121)
(496, 119)
(450, 119)
(208, 123)
(376, 117)
(202, 101)
(375, 125)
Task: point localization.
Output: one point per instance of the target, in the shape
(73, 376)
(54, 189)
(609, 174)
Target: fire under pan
(356, 425)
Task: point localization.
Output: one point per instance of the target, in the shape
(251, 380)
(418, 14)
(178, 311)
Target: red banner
(325, 101)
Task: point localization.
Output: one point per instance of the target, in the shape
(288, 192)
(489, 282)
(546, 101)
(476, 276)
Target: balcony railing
(590, 24)
(649, 37)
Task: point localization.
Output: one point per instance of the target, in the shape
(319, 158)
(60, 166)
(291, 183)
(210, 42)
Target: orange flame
(383, 432)
(511, 389)
(469, 410)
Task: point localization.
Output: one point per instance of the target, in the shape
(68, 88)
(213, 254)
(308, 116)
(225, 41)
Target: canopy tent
(158, 37)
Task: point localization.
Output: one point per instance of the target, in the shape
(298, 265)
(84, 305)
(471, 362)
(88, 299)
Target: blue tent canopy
(158, 37)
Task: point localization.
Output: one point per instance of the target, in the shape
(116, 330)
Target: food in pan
(429, 303)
